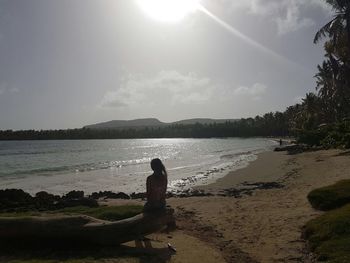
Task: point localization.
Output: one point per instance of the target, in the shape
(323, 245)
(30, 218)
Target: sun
(168, 10)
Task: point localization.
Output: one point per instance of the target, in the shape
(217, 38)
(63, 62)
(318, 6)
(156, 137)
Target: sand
(266, 226)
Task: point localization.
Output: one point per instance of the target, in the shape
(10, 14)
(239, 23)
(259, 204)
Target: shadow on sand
(345, 153)
(144, 251)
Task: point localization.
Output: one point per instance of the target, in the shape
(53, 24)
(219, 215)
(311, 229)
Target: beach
(265, 226)
(259, 224)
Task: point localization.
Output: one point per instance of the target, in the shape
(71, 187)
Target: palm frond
(324, 31)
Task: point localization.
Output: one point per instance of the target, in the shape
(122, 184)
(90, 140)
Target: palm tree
(333, 78)
(339, 25)
(311, 111)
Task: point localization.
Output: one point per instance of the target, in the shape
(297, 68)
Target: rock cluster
(248, 188)
(109, 195)
(18, 200)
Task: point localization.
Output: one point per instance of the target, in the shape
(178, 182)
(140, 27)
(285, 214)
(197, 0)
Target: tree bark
(82, 229)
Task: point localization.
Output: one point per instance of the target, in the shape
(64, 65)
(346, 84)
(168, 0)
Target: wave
(43, 152)
(78, 168)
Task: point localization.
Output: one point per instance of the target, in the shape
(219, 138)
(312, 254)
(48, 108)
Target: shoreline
(256, 171)
(129, 181)
(261, 225)
(266, 224)
(235, 183)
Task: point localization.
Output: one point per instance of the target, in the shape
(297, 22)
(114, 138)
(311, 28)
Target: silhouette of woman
(156, 187)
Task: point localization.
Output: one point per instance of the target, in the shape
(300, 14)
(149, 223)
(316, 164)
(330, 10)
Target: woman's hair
(158, 167)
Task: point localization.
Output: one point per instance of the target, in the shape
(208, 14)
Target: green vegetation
(271, 124)
(336, 135)
(111, 213)
(329, 235)
(330, 197)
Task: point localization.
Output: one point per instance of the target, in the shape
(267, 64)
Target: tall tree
(333, 78)
(339, 26)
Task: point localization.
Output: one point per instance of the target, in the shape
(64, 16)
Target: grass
(329, 235)
(111, 213)
(330, 197)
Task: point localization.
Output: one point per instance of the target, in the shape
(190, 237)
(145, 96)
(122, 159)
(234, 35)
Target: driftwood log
(81, 229)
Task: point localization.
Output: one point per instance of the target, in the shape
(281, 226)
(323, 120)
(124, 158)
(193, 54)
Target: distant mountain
(122, 124)
(150, 122)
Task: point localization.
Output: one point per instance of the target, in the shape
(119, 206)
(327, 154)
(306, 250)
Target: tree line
(271, 124)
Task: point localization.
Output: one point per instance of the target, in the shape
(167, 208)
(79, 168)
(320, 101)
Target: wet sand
(266, 226)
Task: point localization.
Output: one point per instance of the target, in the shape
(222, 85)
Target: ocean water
(121, 165)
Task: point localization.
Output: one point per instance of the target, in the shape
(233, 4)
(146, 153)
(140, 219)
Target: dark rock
(189, 193)
(74, 195)
(45, 201)
(169, 195)
(199, 193)
(138, 195)
(15, 198)
(110, 195)
(293, 149)
(264, 185)
(248, 188)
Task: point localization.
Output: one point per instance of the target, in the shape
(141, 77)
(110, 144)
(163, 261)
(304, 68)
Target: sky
(70, 63)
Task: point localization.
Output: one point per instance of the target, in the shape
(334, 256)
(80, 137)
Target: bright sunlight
(168, 10)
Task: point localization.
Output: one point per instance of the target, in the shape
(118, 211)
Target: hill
(150, 122)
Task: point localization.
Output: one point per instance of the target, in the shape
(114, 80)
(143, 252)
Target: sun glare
(168, 10)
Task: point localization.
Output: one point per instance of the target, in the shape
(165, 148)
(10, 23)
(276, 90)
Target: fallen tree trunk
(82, 229)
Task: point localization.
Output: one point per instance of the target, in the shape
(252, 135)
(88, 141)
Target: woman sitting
(156, 187)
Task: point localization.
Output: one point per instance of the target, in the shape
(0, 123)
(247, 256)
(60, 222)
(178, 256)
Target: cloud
(5, 88)
(255, 92)
(286, 14)
(292, 21)
(166, 87)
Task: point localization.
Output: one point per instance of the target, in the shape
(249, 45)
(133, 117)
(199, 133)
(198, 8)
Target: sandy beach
(265, 226)
(259, 226)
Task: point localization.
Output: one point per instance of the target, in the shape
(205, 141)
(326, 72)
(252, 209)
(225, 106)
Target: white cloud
(286, 14)
(255, 92)
(167, 87)
(292, 21)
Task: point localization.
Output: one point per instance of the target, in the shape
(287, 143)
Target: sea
(59, 166)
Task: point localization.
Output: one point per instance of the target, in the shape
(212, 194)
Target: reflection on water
(120, 165)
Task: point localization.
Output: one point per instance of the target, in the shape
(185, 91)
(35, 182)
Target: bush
(311, 137)
(329, 235)
(330, 197)
(333, 140)
(333, 135)
(346, 140)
